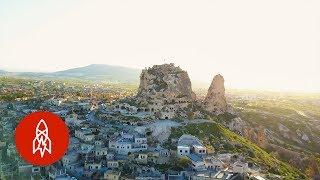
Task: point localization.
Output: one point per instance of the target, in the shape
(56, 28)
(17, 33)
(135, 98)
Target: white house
(89, 137)
(101, 151)
(113, 164)
(98, 143)
(92, 166)
(140, 140)
(186, 143)
(127, 143)
(85, 135)
(123, 147)
(199, 149)
(112, 175)
(142, 158)
(183, 150)
(240, 167)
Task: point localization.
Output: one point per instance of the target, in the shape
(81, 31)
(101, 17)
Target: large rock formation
(215, 101)
(165, 81)
(164, 90)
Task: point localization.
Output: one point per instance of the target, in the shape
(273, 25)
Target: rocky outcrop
(165, 81)
(256, 134)
(237, 125)
(165, 91)
(215, 101)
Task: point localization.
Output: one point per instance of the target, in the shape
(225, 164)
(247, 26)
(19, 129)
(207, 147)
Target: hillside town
(130, 137)
(109, 143)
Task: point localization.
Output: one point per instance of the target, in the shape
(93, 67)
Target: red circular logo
(41, 138)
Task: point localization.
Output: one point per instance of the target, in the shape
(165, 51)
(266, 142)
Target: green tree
(183, 162)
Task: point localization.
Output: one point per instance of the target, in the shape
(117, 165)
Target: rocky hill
(166, 81)
(165, 91)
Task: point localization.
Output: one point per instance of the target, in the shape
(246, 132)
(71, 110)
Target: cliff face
(165, 81)
(215, 100)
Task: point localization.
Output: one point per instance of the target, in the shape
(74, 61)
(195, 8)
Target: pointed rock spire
(215, 100)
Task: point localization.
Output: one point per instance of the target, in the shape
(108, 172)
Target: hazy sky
(272, 44)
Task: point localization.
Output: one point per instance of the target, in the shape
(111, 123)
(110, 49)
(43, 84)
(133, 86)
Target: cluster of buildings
(111, 148)
(128, 143)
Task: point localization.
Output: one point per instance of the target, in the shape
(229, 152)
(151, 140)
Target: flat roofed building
(183, 150)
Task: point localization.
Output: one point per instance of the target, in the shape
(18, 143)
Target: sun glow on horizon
(250, 46)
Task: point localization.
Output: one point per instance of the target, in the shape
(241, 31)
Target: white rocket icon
(41, 142)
